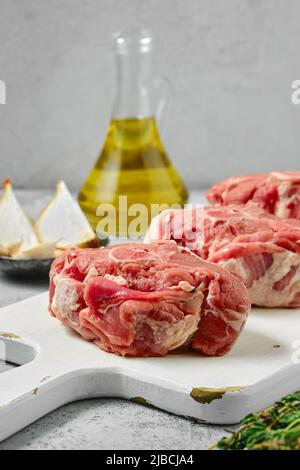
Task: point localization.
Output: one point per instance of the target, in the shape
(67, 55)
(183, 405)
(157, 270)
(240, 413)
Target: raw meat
(261, 249)
(147, 300)
(277, 193)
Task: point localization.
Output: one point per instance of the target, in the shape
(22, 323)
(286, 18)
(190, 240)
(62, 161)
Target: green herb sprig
(275, 428)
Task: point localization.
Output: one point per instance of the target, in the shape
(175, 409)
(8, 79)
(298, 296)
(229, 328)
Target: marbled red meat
(148, 300)
(261, 249)
(278, 193)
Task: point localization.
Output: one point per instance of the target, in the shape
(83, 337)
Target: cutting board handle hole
(17, 352)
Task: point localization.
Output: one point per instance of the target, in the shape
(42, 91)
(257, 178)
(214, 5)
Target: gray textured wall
(231, 62)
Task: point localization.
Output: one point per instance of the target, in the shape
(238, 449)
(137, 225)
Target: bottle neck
(133, 97)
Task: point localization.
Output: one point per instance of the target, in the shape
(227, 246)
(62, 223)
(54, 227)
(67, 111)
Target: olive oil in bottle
(133, 166)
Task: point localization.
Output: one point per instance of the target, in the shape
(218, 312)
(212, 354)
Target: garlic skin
(40, 251)
(17, 231)
(63, 222)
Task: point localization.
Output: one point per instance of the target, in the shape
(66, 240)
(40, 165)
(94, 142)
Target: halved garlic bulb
(63, 222)
(17, 231)
(40, 251)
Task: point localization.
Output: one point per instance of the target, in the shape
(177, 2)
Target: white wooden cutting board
(60, 367)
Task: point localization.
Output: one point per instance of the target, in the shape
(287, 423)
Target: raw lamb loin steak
(261, 249)
(277, 193)
(147, 300)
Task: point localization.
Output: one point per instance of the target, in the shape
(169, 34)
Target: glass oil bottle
(133, 162)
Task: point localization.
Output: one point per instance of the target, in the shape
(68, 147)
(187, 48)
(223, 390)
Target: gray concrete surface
(105, 423)
(112, 424)
(231, 63)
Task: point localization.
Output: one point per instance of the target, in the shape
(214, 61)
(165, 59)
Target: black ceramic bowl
(33, 267)
(25, 267)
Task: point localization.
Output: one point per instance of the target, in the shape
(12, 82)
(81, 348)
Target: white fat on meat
(262, 291)
(117, 279)
(175, 335)
(282, 205)
(92, 273)
(66, 297)
(185, 286)
(235, 321)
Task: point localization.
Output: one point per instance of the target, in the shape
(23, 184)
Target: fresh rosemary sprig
(275, 428)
